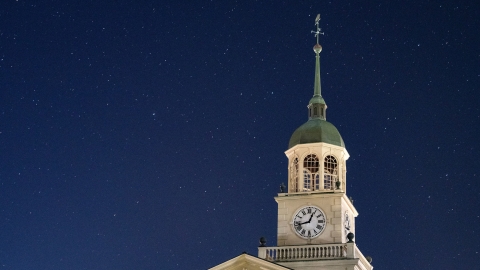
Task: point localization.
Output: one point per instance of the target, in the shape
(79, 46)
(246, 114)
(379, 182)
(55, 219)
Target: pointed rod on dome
(316, 106)
(317, 49)
(317, 33)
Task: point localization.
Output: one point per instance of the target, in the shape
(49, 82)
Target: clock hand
(311, 216)
(298, 223)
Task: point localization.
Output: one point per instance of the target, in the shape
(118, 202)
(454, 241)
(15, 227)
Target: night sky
(151, 134)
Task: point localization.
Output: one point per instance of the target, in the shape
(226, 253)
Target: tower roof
(316, 129)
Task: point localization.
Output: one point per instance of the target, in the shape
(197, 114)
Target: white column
(350, 250)
(262, 252)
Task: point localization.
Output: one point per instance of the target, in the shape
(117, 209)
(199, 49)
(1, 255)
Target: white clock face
(309, 222)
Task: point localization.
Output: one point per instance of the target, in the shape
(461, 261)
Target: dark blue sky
(150, 134)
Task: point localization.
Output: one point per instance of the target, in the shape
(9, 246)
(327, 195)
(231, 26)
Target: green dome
(316, 130)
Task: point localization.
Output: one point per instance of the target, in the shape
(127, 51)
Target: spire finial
(317, 49)
(317, 33)
(317, 106)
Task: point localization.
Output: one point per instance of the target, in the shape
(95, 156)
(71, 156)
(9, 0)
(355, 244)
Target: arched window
(307, 180)
(330, 173)
(294, 176)
(310, 169)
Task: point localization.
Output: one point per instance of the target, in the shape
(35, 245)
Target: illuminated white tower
(316, 219)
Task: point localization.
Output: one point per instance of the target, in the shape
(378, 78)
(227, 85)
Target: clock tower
(316, 219)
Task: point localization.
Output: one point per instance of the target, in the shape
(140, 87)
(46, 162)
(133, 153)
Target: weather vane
(317, 33)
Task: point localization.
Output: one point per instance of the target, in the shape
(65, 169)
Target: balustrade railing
(301, 253)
